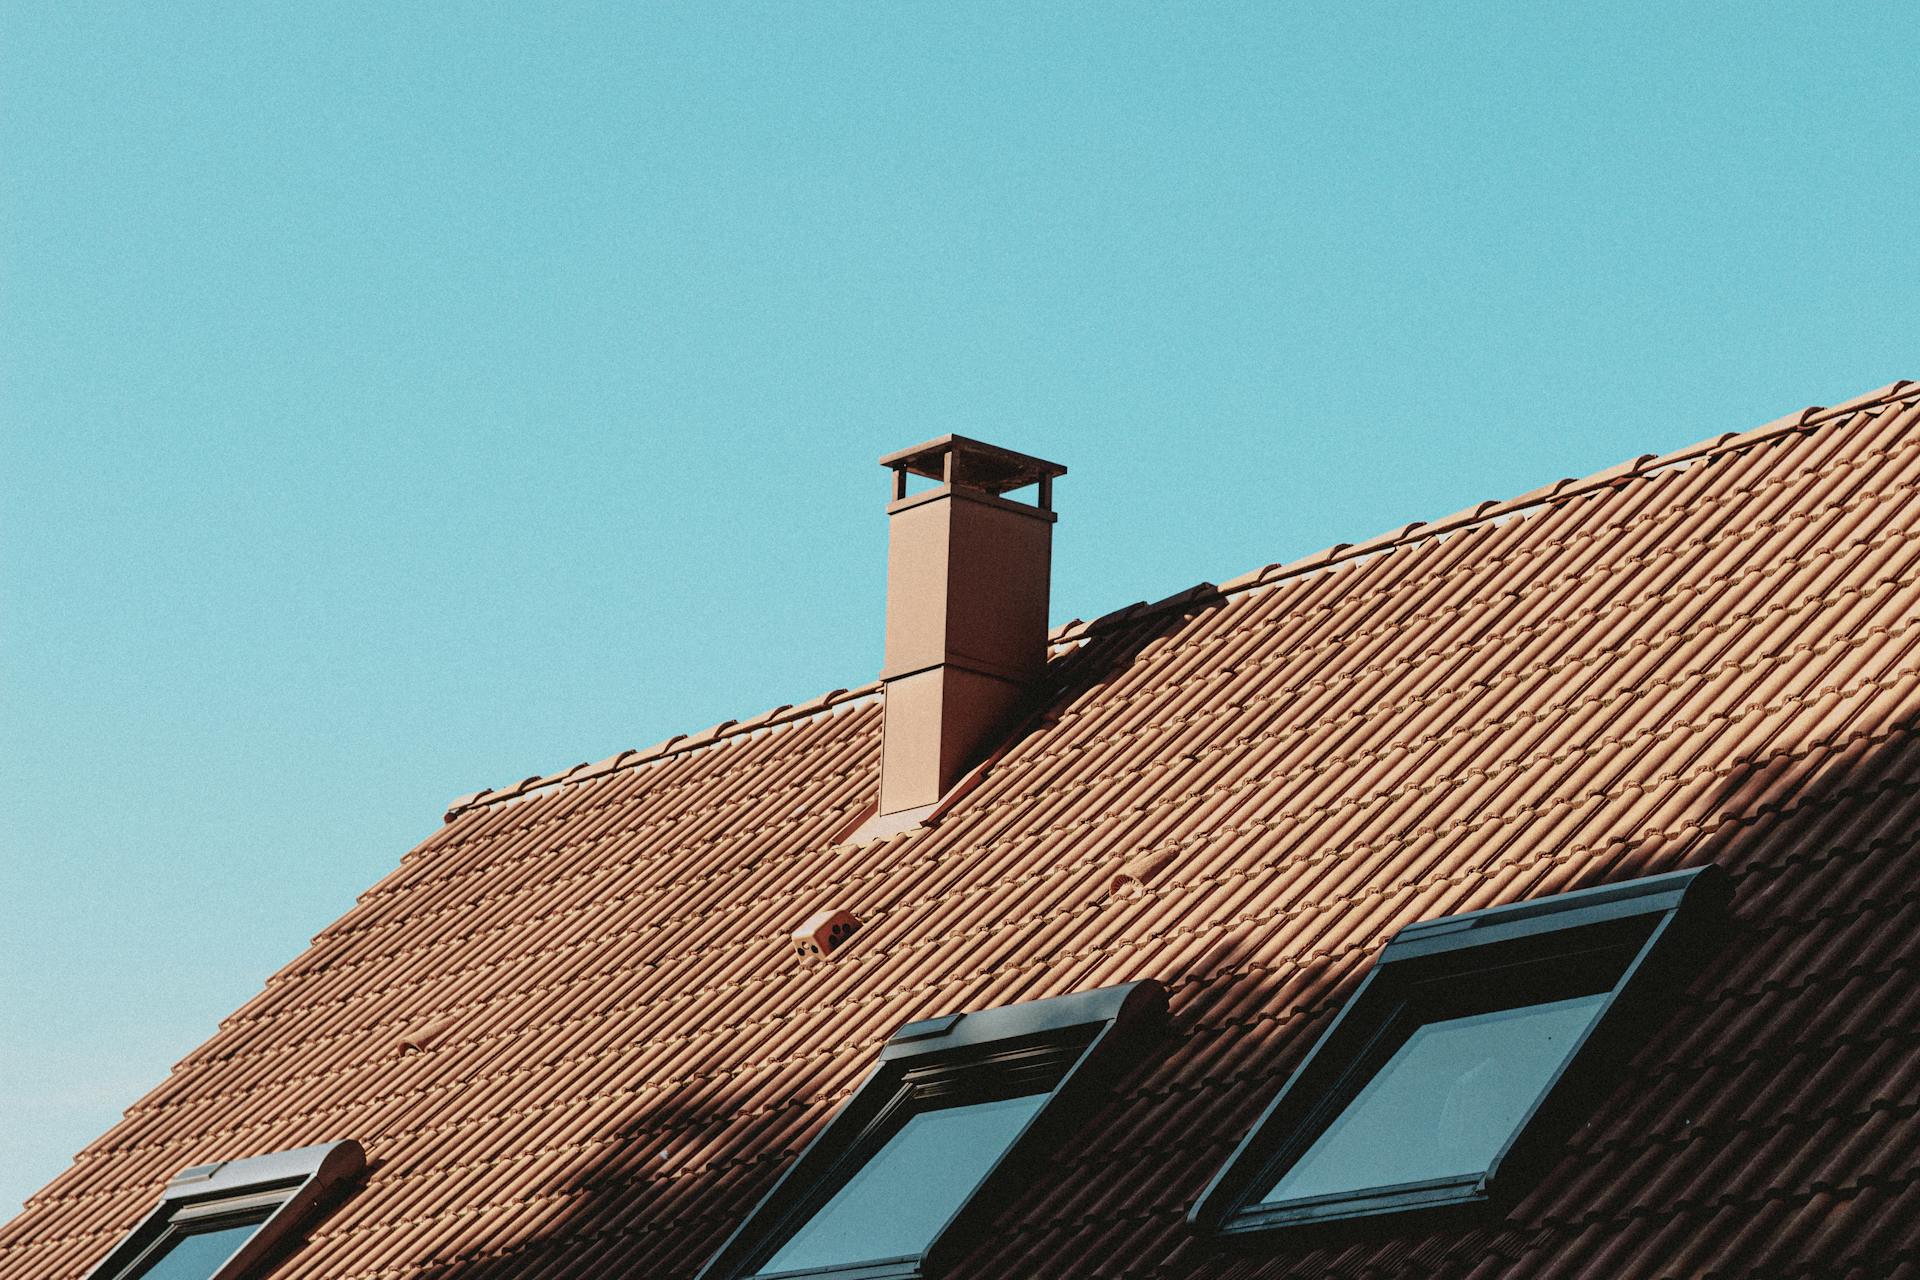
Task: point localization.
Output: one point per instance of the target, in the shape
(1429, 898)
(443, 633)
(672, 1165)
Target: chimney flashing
(965, 661)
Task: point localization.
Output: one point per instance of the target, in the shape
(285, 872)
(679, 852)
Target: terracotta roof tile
(573, 1036)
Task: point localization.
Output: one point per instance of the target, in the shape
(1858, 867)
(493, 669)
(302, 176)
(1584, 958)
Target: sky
(399, 400)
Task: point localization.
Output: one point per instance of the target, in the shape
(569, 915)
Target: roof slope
(571, 1033)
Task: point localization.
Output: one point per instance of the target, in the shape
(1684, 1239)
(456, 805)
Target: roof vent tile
(1138, 873)
(824, 933)
(423, 1037)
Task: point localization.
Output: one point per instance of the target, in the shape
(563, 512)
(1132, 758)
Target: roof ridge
(680, 743)
(1484, 512)
(1073, 632)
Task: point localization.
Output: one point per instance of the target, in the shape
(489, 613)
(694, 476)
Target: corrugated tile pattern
(575, 1041)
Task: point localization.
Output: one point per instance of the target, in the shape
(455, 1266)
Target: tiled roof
(574, 1038)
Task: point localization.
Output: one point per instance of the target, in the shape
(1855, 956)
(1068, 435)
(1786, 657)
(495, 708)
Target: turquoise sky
(402, 399)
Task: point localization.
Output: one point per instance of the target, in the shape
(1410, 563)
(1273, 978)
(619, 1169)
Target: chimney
(967, 576)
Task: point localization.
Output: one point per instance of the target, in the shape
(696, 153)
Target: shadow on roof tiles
(665, 1181)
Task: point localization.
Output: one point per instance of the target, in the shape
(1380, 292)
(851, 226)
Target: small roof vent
(1137, 874)
(824, 933)
(423, 1038)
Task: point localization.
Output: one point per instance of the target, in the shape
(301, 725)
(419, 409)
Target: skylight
(1470, 1044)
(196, 1255)
(898, 1201)
(1443, 1105)
(223, 1221)
(909, 1172)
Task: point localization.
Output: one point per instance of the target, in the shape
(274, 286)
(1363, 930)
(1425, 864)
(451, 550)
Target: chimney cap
(974, 463)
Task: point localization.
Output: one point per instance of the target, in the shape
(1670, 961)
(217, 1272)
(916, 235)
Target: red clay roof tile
(572, 1033)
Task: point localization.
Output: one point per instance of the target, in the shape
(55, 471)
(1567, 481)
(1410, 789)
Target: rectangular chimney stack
(967, 579)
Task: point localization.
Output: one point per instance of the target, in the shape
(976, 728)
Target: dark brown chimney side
(967, 579)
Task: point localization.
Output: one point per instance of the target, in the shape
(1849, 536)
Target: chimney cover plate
(981, 465)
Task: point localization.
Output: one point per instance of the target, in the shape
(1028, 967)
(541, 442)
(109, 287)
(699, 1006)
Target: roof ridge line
(1484, 512)
(678, 744)
(1207, 592)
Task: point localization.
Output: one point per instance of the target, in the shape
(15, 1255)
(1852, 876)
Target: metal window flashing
(1677, 910)
(1545, 915)
(1077, 1043)
(926, 1029)
(291, 1185)
(1036, 1017)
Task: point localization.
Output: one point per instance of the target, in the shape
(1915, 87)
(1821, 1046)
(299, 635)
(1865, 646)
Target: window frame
(282, 1192)
(1656, 930)
(1073, 1046)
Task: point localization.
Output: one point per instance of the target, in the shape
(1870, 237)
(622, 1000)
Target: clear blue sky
(402, 399)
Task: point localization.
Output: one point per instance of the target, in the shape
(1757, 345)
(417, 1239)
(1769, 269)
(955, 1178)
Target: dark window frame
(1069, 1048)
(282, 1192)
(1648, 934)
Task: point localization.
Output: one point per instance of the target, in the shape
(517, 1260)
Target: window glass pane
(197, 1256)
(1444, 1104)
(904, 1194)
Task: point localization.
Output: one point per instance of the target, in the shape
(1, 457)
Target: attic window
(912, 1168)
(223, 1221)
(1470, 1047)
